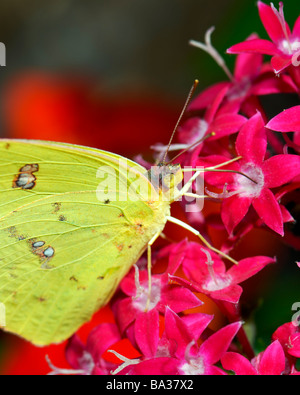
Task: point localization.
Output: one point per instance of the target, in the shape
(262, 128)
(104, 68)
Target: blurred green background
(141, 47)
(139, 43)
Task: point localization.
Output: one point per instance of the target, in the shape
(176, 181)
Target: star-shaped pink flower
(271, 362)
(251, 78)
(285, 45)
(289, 337)
(177, 352)
(259, 175)
(206, 273)
(215, 120)
(133, 312)
(86, 359)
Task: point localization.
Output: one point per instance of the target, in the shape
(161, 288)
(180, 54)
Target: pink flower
(86, 359)
(263, 175)
(250, 79)
(221, 123)
(132, 312)
(289, 337)
(178, 352)
(286, 121)
(206, 273)
(285, 45)
(271, 362)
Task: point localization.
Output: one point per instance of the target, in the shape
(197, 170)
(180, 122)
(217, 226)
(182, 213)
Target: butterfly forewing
(68, 234)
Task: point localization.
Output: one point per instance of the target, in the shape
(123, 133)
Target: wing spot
(57, 207)
(45, 253)
(120, 247)
(73, 278)
(25, 179)
(49, 252)
(139, 227)
(41, 299)
(14, 233)
(38, 244)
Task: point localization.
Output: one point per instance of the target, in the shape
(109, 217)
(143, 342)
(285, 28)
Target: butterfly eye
(169, 181)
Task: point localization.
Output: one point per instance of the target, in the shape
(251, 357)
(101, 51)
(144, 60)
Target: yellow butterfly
(73, 221)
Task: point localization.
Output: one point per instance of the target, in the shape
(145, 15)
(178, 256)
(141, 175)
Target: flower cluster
(259, 164)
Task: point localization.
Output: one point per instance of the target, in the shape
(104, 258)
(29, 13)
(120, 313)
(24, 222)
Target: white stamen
(141, 299)
(207, 47)
(246, 187)
(126, 362)
(280, 16)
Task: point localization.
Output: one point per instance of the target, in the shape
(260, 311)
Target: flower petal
(272, 362)
(271, 22)
(230, 294)
(286, 121)
(177, 330)
(213, 108)
(238, 364)
(217, 344)
(125, 313)
(226, 124)
(197, 323)
(248, 267)
(281, 62)
(234, 210)
(147, 332)
(296, 30)
(280, 169)
(74, 351)
(255, 46)
(269, 211)
(206, 98)
(251, 142)
(247, 65)
(178, 299)
(101, 338)
(154, 366)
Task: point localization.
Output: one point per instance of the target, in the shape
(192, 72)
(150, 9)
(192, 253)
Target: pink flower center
(140, 301)
(239, 89)
(214, 282)
(217, 283)
(198, 131)
(194, 367)
(245, 187)
(289, 47)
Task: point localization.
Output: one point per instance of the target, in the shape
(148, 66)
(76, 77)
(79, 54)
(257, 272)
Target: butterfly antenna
(187, 102)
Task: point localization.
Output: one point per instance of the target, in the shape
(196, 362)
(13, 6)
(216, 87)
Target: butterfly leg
(149, 266)
(204, 241)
